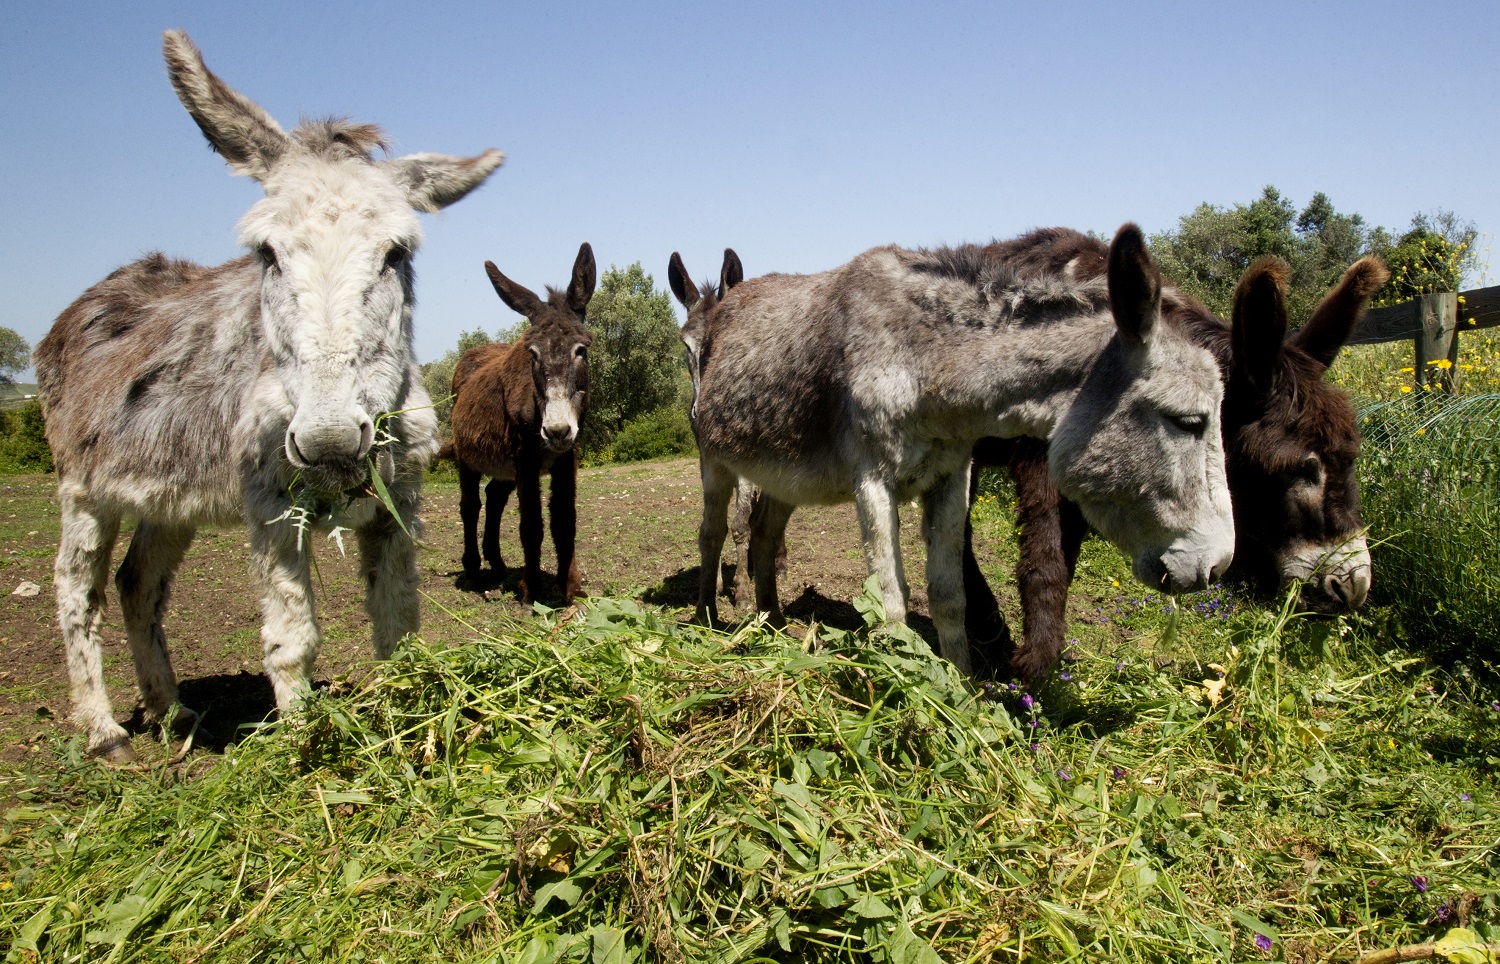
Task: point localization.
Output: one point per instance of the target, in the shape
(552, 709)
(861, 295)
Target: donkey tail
(445, 452)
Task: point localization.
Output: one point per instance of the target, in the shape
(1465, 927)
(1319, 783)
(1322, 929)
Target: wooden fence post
(1438, 340)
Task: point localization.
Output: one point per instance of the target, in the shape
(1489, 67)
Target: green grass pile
(1430, 479)
(614, 786)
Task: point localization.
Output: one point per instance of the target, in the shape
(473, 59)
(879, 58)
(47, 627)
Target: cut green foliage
(608, 784)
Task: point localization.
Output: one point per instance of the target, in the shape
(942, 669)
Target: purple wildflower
(1120, 666)
(1065, 676)
(1117, 772)
(1464, 797)
(1263, 942)
(1011, 686)
(1064, 774)
(1033, 723)
(1444, 913)
(1036, 748)
(1419, 881)
(1027, 701)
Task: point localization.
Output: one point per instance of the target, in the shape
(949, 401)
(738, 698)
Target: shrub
(659, 434)
(23, 440)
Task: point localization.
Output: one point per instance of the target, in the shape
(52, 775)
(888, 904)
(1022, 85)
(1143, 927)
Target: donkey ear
(677, 276)
(239, 130)
(1258, 322)
(517, 298)
(581, 288)
(1134, 284)
(434, 181)
(732, 273)
(1340, 310)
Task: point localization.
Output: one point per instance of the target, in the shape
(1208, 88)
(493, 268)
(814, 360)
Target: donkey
(1290, 439)
(699, 303)
(873, 381)
(271, 388)
(516, 414)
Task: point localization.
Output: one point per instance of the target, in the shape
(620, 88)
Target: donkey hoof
(116, 751)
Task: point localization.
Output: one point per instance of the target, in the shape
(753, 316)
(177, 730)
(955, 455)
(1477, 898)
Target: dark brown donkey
(516, 415)
(1290, 442)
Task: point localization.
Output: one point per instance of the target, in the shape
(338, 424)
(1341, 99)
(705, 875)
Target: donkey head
(699, 302)
(334, 236)
(1139, 448)
(1292, 439)
(558, 343)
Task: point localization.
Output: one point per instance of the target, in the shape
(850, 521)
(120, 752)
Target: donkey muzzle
(330, 453)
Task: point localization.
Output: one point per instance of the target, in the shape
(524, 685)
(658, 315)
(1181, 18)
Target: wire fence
(1430, 479)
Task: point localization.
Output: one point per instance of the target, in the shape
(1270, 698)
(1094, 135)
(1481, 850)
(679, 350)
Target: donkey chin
(1182, 567)
(1335, 578)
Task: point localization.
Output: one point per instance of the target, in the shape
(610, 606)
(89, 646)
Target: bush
(23, 440)
(1431, 495)
(655, 435)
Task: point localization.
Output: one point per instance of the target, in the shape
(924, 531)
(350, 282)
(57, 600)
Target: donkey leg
(1042, 570)
(562, 510)
(718, 486)
(144, 581)
(739, 533)
(468, 511)
(388, 562)
(80, 575)
(982, 617)
(289, 632)
(880, 531)
(496, 494)
(529, 495)
(945, 510)
(767, 531)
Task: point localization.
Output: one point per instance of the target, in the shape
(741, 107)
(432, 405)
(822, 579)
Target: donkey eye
(395, 257)
(1194, 425)
(581, 353)
(267, 256)
(1311, 469)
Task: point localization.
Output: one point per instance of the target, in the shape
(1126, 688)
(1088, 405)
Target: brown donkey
(1290, 441)
(516, 415)
(699, 303)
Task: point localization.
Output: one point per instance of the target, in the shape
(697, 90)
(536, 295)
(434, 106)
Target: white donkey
(279, 387)
(873, 381)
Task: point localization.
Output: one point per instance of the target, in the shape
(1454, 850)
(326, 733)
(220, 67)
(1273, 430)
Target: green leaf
(871, 907)
(1464, 946)
(1255, 925)
(609, 945)
(564, 890)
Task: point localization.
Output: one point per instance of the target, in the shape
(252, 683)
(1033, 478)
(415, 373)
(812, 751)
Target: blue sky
(798, 134)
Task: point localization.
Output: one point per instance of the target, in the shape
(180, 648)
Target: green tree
(635, 362)
(1211, 247)
(1434, 254)
(15, 356)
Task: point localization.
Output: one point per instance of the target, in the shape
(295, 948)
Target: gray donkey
(873, 381)
(280, 388)
(700, 302)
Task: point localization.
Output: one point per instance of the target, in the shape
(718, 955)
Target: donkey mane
(1019, 292)
(338, 138)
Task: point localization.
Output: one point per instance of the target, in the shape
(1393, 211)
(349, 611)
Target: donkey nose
(1347, 591)
(557, 438)
(327, 442)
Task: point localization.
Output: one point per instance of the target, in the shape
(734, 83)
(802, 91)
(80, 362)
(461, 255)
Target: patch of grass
(606, 784)
(1430, 476)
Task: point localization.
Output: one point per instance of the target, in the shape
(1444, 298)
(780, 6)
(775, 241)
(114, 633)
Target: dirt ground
(637, 536)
